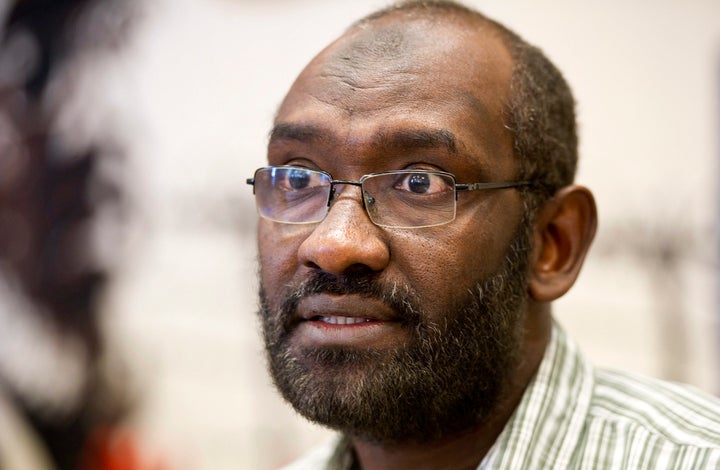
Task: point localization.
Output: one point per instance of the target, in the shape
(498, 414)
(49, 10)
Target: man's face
(397, 334)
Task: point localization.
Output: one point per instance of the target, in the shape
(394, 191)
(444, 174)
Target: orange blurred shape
(116, 449)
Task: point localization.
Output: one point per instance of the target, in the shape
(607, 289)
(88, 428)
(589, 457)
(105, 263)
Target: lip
(350, 306)
(346, 320)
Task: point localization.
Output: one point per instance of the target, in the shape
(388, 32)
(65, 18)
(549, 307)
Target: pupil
(299, 179)
(419, 183)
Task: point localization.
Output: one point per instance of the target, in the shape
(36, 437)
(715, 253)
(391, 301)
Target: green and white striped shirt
(573, 416)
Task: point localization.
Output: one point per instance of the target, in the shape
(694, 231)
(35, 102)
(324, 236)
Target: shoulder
(675, 412)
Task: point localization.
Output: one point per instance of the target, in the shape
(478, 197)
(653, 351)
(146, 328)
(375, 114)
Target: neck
(464, 450)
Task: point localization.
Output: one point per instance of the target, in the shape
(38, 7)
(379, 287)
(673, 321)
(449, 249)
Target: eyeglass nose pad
(369, 203)
(331, 196)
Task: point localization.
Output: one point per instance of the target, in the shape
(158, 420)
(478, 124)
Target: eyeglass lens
(292, 195)
(413, 198)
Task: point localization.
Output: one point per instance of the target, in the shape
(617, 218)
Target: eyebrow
(419, 139)
(299, 132)
(402, 139)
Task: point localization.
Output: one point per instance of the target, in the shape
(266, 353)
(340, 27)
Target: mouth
(348, 321)
(338, 320)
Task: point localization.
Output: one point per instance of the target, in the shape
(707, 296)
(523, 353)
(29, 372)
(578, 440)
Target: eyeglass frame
(333, 182)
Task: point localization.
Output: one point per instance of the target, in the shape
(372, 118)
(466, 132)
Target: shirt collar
(547, 423)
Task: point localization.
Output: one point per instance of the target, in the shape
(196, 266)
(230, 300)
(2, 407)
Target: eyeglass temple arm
(251, 181)
(498, 185)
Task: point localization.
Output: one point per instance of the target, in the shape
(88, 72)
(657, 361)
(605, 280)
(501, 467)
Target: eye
(423, 183)
(291, 179)
(298, 179)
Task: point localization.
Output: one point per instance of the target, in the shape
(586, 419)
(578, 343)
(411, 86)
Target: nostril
(312, 265)
(358, 268)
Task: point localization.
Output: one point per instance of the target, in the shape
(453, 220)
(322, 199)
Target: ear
(564, 229)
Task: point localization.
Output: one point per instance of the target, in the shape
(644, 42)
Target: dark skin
(412, 104)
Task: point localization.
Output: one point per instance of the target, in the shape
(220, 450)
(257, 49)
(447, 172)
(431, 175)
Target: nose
(346, 240)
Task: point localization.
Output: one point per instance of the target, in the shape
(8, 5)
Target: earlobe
(564, 229)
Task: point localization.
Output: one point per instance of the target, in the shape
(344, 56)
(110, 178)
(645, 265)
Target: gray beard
(448, 378)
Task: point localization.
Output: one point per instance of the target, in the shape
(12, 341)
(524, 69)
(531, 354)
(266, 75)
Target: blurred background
(146, 116)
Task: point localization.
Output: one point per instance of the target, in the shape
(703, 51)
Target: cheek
(277, 250)
(442, 265)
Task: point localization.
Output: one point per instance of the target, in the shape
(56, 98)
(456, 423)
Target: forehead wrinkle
(390, 44)
(370, 53)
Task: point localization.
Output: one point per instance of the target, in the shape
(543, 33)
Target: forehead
(405, 81)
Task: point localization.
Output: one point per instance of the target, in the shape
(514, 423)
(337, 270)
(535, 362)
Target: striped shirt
(573, 416)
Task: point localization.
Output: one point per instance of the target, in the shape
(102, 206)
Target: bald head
(399, 66)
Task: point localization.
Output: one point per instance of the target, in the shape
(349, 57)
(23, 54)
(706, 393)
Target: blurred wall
(197, 89)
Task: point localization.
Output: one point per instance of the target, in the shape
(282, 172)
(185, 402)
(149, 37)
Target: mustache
(397, 296)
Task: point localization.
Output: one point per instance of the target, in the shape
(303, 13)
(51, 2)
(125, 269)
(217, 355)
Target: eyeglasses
(397, 199)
